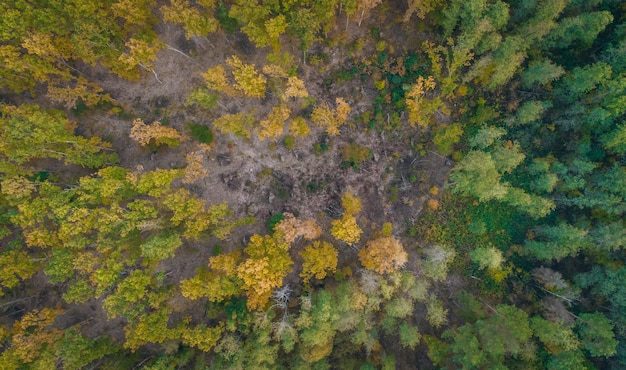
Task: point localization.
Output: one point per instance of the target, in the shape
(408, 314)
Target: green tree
(596, 334)
(27, 132)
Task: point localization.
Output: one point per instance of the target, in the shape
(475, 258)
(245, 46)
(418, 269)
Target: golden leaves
(346, 229)
(274, 125)
(291, 228)
(383, 255)
(195, 170)
(295, 88)
(320, 258)
(325, 117)
(248, 80)
(143, 133)
(417, 105)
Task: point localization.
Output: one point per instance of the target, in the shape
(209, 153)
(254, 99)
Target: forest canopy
(300, 184)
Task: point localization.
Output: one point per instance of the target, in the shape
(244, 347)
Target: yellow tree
(329, 119)
(81, 90)
(421, 108)
(238, 124)
(195, 23)
(346, 229)
(320, 258)
(195, 170)
(351, 203)
(155, 132)
(299, 127)
(274, 125)
(295, 88)
(383, 255)
(248, 80)
(215, 79)
(290, 228)
(264, 270)
(366, 6)
(217, 284)
(141, 53)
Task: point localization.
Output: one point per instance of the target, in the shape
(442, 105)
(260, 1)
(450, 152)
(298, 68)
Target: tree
(28, 132)
(438, 258)
(154, 133)
(477, 175)
(596, 334)
(237, 124)
(290, 228)
(367, 5)
(346, 229)
(34, 337)
(541, 73)
(383, 255)
(299, 127)
(217, 284)
(419, 7)
(16, 266)
(316, 327)
(320, 258)
(195, 169)
(195, 22)
(77, 351)
(141, 53)
(351, 203)
(556, 336)
(325, 117)
(419, 107)
(409, 335)
(264, 270)
(274, 125)
(295, 89)
(248, 80)
(556, 242)
(215, 79)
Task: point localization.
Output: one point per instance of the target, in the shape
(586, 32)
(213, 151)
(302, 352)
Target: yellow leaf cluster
(140, 53)
(346, 229)
(33, 332)
(142, 133)
(351, 203)
(383, 255)
(264, 271)
(237, 124)
(274, 125)
(258, 281)
(215, 79)
(291, 228)
(329, 119)
(248, 79)
(343, 109)
(193, 21)
(415, 100)
(87, 92)
(295, 88)
(299, 127)
(273, 70)
(320, 258)
(195, 170)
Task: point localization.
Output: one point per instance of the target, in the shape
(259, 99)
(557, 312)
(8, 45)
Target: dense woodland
(304, 184)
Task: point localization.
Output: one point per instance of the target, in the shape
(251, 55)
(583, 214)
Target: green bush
(201, 133)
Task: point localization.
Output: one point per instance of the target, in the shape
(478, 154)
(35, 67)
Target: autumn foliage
(320, 258)
(383, 255)
(154, 132)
